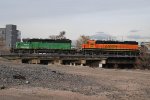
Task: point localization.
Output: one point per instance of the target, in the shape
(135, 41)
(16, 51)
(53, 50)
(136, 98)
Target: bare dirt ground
(72, 83)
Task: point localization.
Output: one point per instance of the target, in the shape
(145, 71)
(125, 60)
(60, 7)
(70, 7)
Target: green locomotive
(43, 46)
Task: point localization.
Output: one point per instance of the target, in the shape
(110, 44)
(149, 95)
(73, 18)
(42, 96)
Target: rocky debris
(27, 82)
(2, 87)
(18, 76)
(113, 84)
(42, 76)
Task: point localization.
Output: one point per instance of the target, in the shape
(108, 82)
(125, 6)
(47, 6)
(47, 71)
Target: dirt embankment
(39, 82)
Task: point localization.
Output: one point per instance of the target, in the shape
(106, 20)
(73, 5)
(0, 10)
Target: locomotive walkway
(64, 55)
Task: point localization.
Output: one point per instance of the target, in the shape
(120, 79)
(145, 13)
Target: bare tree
(2, 42)
(60, 36)
(143, 61)
(81, 40)
(2, 45)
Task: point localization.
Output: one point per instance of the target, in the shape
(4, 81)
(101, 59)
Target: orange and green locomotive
(63, 46)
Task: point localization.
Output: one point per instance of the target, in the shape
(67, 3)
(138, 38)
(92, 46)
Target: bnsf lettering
(110, 46)
(91, 45)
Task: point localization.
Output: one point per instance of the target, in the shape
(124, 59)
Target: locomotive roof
(116, 42)
(49, 40)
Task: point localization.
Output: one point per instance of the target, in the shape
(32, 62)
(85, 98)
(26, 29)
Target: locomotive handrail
(64, 55)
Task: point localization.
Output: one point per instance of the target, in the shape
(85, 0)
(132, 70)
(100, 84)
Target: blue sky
(41, 18)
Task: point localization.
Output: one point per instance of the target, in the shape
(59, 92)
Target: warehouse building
(9, 36)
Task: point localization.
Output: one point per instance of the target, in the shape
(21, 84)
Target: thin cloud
(76, 16)
(138, 37)
(134, 31)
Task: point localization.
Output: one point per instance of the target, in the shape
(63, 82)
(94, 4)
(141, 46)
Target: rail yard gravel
(41, 76)
(106, 84)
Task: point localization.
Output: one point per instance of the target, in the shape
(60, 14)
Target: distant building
(9, 36)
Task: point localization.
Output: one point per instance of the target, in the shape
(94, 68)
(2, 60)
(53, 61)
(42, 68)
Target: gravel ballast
(42, 76)
(111, 84)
